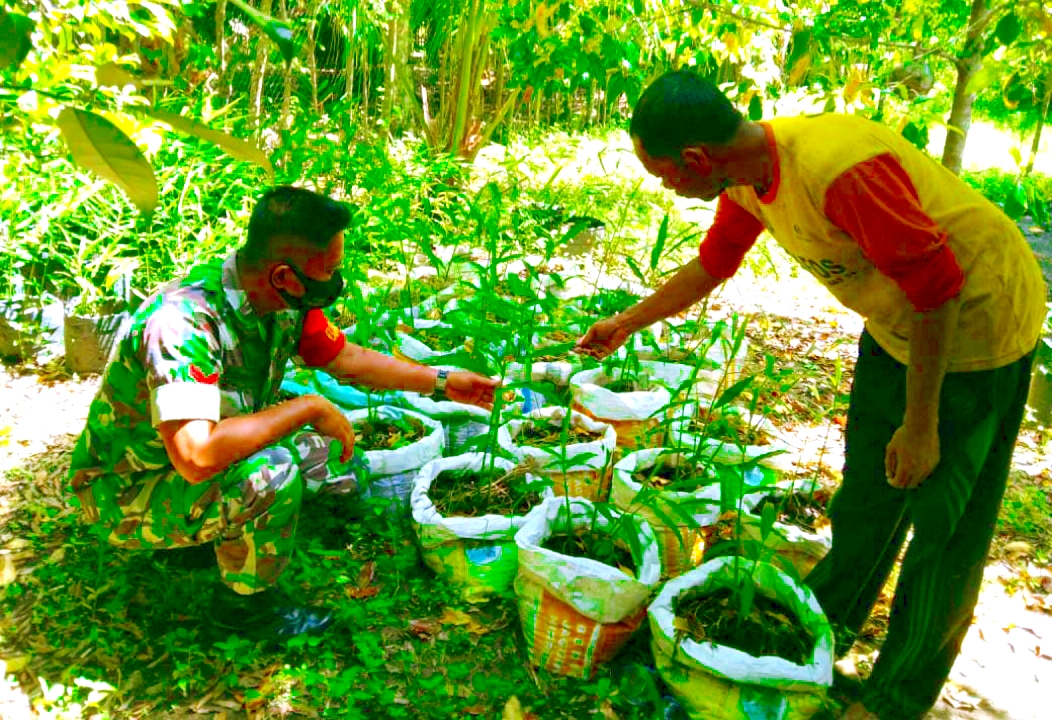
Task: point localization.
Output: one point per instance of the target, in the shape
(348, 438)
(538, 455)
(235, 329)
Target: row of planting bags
(577, 613)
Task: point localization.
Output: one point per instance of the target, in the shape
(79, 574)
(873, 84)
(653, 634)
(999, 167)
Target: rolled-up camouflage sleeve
(183, 360)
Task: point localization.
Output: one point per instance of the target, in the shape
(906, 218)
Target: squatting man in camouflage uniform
(186, 442)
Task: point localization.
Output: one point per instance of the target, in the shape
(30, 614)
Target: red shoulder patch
(198, 376)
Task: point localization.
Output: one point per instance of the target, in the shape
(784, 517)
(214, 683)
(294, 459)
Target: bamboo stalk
(259, 69)
(348, 92)
(464, 88)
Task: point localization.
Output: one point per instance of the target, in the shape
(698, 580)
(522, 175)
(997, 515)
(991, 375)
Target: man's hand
(603, 338)
(334, 424)
(472, 389)
(911, 456)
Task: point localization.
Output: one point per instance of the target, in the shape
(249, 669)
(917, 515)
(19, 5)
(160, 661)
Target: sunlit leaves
(99, 146)
(16, 39)
(234, 147)
(986, 76)
(112, 74)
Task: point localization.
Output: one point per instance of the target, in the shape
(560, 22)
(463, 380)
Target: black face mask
(317, 293)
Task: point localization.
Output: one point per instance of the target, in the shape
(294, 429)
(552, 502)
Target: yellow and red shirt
(889, 232)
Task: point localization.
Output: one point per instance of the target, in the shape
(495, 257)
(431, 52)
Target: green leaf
(1008, 29)
(16, 39)
(659, 246)
(232, 146)
(755, 108)
(112, 74)
(767, 518)
(1039, 210)
(986, 76)
(634, 267)
(99, 146)
(1015, 203)
(275, 29)
(731, 394)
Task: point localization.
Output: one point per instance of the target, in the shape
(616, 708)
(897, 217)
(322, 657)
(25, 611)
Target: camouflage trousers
(248, 512)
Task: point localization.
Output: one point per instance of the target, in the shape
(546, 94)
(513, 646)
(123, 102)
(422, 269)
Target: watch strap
(440, 380)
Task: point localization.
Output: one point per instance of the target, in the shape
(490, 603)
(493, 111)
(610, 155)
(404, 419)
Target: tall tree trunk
(1036, 144)
(312, 58)
(221, 47)
(259, 68)
(352, 30)
(396, 59)
(286, 80)
(969, 62)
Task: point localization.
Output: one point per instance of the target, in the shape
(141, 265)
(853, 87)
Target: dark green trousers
(953, 514)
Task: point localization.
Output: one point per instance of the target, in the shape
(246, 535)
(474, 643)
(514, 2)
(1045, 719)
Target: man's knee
(263, 482)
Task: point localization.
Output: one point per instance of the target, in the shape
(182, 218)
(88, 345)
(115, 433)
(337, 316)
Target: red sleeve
(876, 203)
(321, 341)
(733, 232)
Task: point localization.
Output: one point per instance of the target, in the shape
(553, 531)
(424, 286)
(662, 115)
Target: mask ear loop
(283, 291)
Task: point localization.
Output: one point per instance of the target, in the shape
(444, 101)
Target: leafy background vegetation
(135, 136)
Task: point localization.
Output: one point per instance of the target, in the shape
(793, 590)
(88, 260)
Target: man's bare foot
(858, 711)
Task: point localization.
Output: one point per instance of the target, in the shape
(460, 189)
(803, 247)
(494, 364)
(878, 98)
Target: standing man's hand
(331, 422)
(912, 455)
(471, 388)
(603, 338)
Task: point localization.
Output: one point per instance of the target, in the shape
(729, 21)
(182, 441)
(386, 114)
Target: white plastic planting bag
(577, 613)
(794, 545)
(477, 553)
(634, 415)
(596, 590)
(392, 472)
(667, 511)
(411, 348)
(716, 682)
(583, 470)
(775, 454)
(558, 373)
(461, 421)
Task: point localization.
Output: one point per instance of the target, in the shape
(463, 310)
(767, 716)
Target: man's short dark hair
(293, 214)
(681, 109)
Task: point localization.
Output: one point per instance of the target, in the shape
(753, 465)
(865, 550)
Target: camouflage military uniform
(197, 350)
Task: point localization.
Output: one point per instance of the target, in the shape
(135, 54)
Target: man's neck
(757, 161)
(261, 295)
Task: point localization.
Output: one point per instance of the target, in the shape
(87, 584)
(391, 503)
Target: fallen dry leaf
(365, 587)
(451, 616)
(8, 571)
(1016, 551)
(479, 709)
(13, 664)
(960, 699)
(512, 709)
(424, 629)
(454, 617)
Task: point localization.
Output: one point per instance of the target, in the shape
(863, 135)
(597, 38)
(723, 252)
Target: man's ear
(281, 276)
(695, 159)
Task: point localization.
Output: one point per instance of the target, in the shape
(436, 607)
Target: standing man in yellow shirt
(954, 303)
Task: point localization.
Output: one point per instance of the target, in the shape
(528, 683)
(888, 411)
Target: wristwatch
(440, 380)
